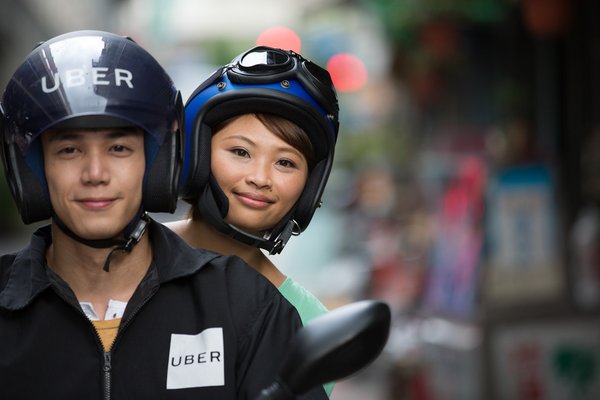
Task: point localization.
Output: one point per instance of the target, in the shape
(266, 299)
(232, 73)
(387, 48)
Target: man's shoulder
(33, 251)
(239, 276)
(214, 270)
(238, 269)
(165, 241)
(6, 262)
(22, 276)
(173, 253)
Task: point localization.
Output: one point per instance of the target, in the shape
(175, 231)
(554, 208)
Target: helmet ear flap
(161, 179)
(161, 183)
(199, 162)
(34, 202)
(311, 195)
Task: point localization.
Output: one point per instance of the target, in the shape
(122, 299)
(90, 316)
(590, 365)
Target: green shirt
(307, 305)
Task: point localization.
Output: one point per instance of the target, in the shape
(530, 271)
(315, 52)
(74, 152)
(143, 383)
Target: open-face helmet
(261, 80)
(90, 79)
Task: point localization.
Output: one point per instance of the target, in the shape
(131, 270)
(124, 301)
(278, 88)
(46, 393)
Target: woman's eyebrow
(239, 137)
(287, 148)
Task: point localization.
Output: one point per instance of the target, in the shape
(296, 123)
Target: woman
(261, 163)
(269, 109)
(260, 138)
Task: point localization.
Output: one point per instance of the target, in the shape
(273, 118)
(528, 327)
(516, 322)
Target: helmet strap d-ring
(292, 228)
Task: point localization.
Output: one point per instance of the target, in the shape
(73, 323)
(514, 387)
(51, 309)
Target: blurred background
(466, 187)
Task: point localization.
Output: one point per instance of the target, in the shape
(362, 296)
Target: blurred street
(466, 185)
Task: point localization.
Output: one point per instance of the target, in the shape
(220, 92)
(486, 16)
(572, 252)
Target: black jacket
(199, 326)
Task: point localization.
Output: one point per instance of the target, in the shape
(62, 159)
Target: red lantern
(280, 37)
(348, 72)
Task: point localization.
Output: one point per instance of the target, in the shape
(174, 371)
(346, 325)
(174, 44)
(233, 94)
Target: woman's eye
(287, 163)
(240, 152)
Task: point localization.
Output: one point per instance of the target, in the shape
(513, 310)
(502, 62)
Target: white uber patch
(196, 360)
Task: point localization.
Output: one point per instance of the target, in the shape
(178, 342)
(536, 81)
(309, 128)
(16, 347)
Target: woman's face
(261, 175)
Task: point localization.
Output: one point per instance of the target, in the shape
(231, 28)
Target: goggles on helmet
(268, 80)
(262, 65)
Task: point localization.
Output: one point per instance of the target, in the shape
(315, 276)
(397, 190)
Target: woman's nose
(259, 175)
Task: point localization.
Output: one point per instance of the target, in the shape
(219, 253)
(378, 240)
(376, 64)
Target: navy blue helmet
(90, 79)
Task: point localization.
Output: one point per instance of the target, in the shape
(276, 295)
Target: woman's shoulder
(306, 303)
(177, 226)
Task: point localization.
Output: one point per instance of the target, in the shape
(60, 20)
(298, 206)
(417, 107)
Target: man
(105, 302)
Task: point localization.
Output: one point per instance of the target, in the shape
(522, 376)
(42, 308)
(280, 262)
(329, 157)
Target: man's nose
(95, 171)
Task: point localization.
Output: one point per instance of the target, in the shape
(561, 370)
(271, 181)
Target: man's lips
(96, 203)
(253, 200)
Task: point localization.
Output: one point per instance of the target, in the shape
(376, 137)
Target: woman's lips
(254, 200)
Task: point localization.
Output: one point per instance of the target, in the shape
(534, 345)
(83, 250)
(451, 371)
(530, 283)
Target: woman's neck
(200, 234)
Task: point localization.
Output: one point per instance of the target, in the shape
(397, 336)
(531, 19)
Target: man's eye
(68, 150)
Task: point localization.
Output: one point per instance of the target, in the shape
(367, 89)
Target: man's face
(95, 178)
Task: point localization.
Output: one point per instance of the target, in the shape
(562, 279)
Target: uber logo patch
(196, 360)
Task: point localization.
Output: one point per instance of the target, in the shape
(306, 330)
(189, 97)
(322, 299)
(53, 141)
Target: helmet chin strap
(272, 245)
(131, 236)
(213, 206)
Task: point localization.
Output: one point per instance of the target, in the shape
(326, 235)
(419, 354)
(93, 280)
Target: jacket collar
(28, 275)
(173, 257)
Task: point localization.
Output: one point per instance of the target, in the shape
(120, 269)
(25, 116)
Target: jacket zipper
(107, 355)
(107, 361)
(106, 369)
(107, 365)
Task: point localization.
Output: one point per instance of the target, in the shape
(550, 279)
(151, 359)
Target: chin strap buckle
(134, 237)
(137, 233)
(291, 229)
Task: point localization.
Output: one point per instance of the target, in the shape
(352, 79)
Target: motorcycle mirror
(334, 346)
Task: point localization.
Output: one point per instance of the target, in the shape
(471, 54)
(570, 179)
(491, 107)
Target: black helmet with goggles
(261, 80)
